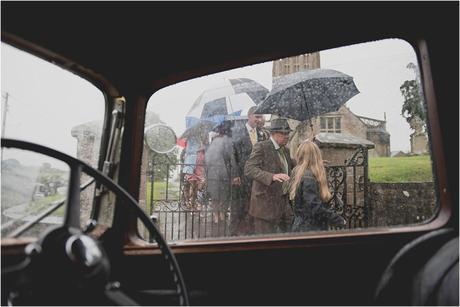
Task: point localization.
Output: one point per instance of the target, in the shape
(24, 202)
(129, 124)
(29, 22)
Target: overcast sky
(46, 102)
(378, 69)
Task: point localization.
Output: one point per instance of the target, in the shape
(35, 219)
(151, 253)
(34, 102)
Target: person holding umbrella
(309, 191)
(269, 166)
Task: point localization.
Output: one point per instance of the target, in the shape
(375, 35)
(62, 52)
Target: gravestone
(418, 139)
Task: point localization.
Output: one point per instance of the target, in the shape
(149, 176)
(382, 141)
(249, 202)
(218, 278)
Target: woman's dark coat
(310, 213)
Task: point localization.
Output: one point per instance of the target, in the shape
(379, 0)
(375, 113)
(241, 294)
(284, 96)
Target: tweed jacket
(267, 201)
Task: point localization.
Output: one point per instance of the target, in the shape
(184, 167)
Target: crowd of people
(248, 169)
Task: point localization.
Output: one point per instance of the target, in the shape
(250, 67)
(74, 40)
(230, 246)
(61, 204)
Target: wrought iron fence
(349, 184)
(180, 217)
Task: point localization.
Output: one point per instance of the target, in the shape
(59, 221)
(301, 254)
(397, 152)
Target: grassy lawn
(400, 169)
(40, 205)
(159, 191)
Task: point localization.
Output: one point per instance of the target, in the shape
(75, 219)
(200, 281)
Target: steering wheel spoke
(72, 213)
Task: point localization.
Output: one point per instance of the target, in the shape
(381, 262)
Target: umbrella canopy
(229, 87)
(199, 130)
(217, 110)
(224, 102)
(255, 90)
(307, 94)
(211, 100)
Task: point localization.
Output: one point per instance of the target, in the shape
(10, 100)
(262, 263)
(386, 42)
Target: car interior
(97, 105)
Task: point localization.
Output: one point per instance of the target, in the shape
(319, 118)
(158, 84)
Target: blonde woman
(309, 191)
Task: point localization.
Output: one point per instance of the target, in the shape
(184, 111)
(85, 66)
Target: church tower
(293, 64)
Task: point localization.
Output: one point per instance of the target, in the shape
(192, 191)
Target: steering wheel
(66, 264)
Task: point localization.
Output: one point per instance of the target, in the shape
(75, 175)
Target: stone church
(342, 121)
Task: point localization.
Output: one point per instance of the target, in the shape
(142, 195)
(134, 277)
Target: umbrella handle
(311, 127)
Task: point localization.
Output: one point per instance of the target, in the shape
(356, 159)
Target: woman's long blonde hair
(309, 157)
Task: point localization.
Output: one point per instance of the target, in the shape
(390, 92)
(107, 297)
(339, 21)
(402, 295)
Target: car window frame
(135, 119)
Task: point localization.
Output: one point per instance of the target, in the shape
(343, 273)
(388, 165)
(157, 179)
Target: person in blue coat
(310, 193)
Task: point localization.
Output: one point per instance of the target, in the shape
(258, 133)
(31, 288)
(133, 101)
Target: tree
(412, 106)
(161, 163)
(51, 177)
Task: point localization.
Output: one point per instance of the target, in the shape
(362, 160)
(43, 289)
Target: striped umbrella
(228, 87)
(218, 110)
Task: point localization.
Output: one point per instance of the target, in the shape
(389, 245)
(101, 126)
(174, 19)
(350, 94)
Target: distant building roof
(342, 140)
(371, 121)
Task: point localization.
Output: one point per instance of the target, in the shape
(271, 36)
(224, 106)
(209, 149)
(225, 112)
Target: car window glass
(44, 104)
(351, 120)
(31, 186)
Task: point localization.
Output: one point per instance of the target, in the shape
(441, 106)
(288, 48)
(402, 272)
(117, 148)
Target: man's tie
(253, 136)
(282, 156)
(283, 160)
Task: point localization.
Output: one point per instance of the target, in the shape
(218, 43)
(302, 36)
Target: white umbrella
(211, 101)
(218, 110)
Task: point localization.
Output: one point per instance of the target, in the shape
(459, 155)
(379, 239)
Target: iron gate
(349, 184)
(179, 219)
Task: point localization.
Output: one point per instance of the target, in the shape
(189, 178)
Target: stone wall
(337, 156)
(350, 124)
(381, 139)
(88, 137)
(401, 203)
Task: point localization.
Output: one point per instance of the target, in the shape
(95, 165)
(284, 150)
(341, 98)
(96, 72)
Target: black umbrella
(307, 94)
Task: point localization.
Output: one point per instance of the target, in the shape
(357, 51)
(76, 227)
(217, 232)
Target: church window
(330, 124)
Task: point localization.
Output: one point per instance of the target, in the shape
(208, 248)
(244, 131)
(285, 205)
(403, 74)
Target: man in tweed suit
(269, 166)
(244, 138)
